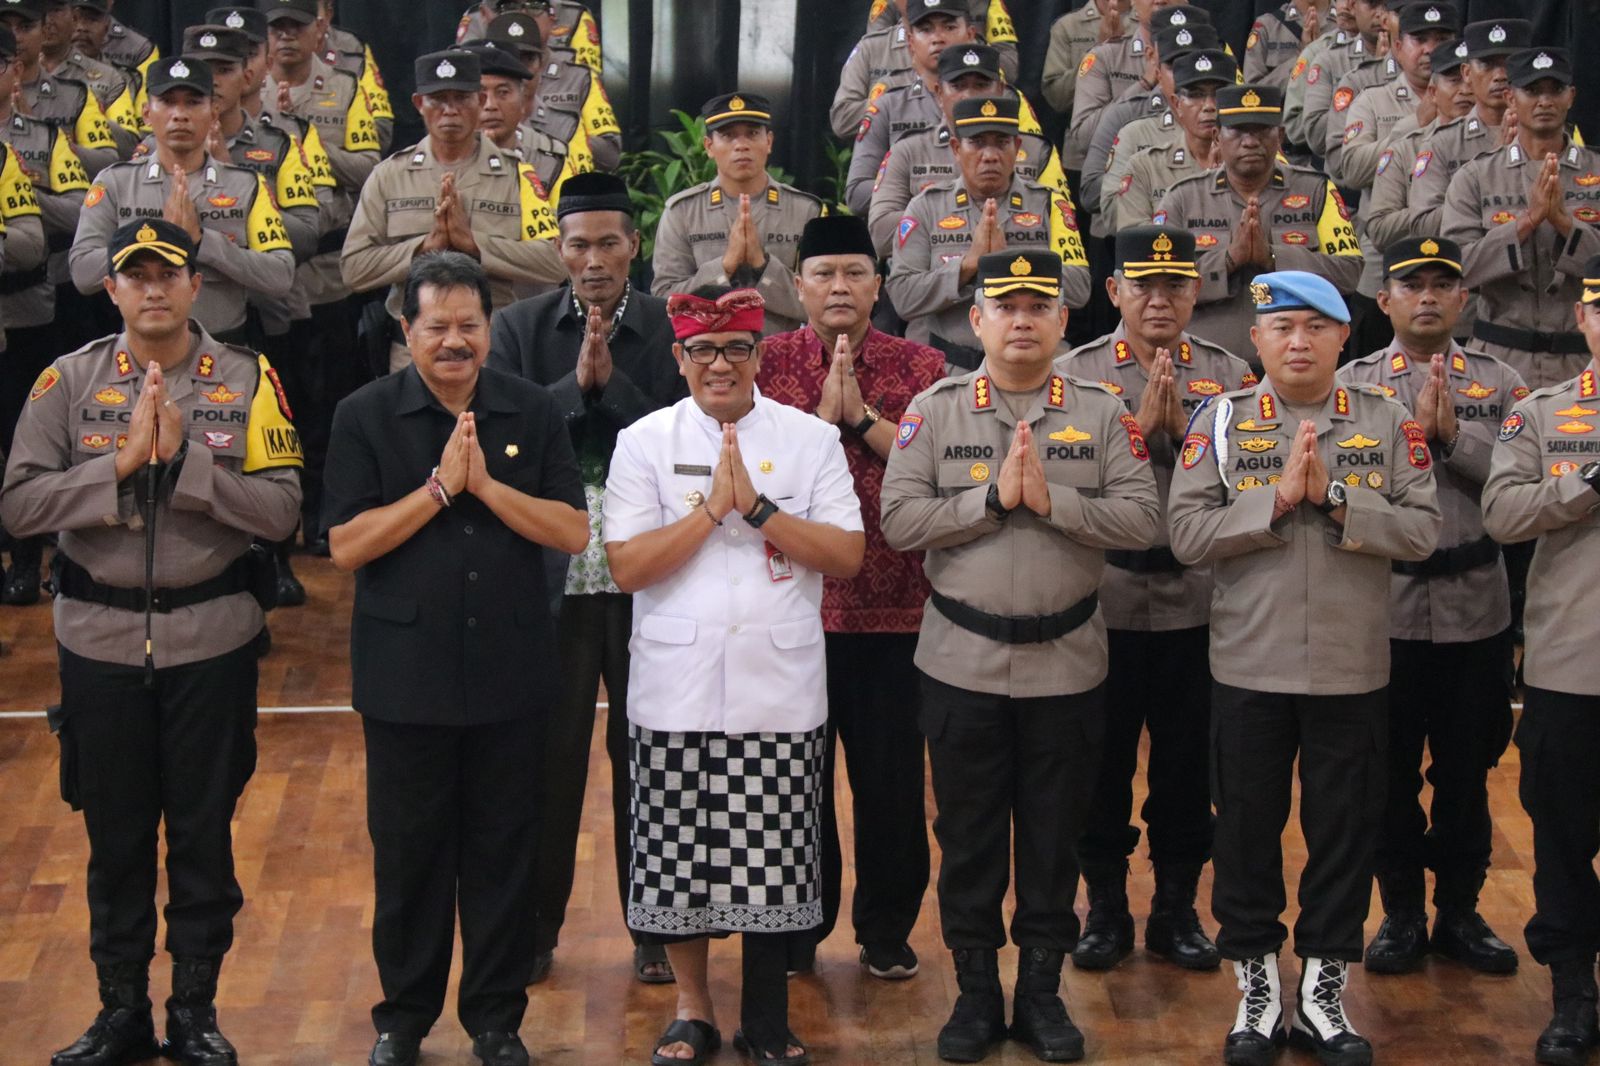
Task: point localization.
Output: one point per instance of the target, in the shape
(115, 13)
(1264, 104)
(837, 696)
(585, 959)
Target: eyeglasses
(706, 354)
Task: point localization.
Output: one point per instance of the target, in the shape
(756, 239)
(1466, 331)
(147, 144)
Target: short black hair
(629, 226)
(444, 270)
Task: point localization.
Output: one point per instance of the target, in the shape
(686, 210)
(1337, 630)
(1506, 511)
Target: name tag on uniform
(778, 566)
(692, 471)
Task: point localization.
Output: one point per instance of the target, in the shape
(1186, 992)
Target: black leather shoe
(123, 1032)
(1039, 1017)
(21, 587)
(395, 1049)
(1107, 936)
(978, 1021)
(290, 592)
(1173, 929)
(1573, 1031)
(500, 1049)
(1400, 945)
(1465, 937)
(192, 1034)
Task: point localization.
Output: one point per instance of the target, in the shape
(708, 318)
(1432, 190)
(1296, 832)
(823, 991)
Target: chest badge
(512, 451)
(222, 394)
(1070, 435)
(694, 498)
(1258, 444)
(1359, 441)
(111, 397)
(979, 471)
(766, 466)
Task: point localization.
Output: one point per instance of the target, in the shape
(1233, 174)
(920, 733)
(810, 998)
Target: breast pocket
(664, 629)
(958, 475)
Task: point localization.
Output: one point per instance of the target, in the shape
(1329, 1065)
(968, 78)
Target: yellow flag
(1335, 234)
(266, 224)
(538, 210)
(270, 438)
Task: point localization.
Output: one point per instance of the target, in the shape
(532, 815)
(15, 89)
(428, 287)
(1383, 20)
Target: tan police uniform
(1274, 44)
(573, 108)
(693, 235)
(26, 297)
(1352, 148)
(936, 232)
(575, 30)
(345, 152)
(1136, 593)
(1312, 81)
(548, 157)
(1132, 123)
(1386, 212)
(1073, 36)
(1109, 72)
(510, 214)
(925, 159)
(248, 252)
(1156, 130)
(112, 87)
(1327, 104)
(71, 106)
(127, 48)
(1451, 605)
(1526, 290)
(1535, 490)
(1152, 171)
(1306, 228)
(1453, 145)
(346, 52)
(877, 64)
(59, 183)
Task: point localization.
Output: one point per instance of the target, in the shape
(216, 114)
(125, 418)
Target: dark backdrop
(662, 54)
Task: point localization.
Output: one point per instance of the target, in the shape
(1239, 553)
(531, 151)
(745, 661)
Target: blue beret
(1297, 290)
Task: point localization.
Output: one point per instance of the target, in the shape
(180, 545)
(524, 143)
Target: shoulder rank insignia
(1458, 363)
(124, 364)
(207, 366)
(982, 398)
(1587, 387)
(1341, 401)
(1058, 391)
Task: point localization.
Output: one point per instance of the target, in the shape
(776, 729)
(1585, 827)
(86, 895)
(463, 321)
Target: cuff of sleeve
(192, 490)
(1256, 509)
(972, 508)
(1576, 497)
(1066, 508)
(1359, 506)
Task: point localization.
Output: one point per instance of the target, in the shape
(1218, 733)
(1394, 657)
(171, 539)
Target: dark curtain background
(662, 54)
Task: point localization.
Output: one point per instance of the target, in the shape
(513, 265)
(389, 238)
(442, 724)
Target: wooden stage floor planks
(298, 985)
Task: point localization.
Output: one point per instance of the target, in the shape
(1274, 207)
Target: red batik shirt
(888, 594)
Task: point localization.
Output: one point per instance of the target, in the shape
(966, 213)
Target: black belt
(15, 281)
(1007, 629)
(332, 242)
(961, 355)
(74, 582)
(1529, 340)
(1457, 560)
(1151, 561)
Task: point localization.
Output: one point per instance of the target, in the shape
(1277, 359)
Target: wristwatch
(1590, 473)
(992, 504)
(869, 418)
(1336, 498)
(763, 510)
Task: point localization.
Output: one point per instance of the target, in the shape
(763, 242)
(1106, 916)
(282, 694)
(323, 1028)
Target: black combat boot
(978, 1022)
(1401, 942)
(1108, 931)
(1173, 930)
(123, 1031)
(1038, 1017)
(1572, 1032)
(192, 1034)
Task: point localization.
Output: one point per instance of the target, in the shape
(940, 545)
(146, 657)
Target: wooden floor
(298, 985)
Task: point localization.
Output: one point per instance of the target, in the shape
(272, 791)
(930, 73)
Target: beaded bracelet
(436, 489)
(714, 519)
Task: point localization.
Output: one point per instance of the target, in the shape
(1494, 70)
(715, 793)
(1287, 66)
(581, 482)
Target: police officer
(155, 455)
(112, 89)
(741, 228)
(344, 51)
(1073, 36)
(1120, 66)
(949, 226)
(1156, 611)
(1155, 168)
(1014, 469)
(1307, 69)
(507, 100)
(1340, 74)
(573, 108)
(1299, 648)
(1253, 213)
(1544, 481)
(518, 33)
(882, 60)
(62, 102)
(182, 183)
(43, 185)
(1526, 264)
(1450, 645)
(567, 24)
(451, 190)
(102, 36)
(1277, 38)
(920, 159)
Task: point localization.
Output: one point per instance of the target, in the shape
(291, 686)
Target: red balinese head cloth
(741, 309)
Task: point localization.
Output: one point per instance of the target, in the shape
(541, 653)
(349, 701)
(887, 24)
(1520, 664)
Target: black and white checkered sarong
(725, 831)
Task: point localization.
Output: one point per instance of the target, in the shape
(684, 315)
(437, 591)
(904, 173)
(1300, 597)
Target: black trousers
(1004, 766)
(1159, 681)
(593, 635)
(318, 364)
(451, 813)
(873, 699)
(1456, 698)
(179, 751)
(1559, 741)
(1255, 737)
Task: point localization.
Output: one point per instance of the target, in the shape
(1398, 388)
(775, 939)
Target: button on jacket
(1302, 604)
(1161, 600)
(452, 627)
(727, 643)
(238, 480)
(1534, 491)
(951, 445)
(1476, 604)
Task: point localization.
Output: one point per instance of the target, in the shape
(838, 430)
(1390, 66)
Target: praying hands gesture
(841, 402)
(744, 244)
(594, 358)
(1436, 411)
(1159, 407)
(731, 487)
(1022, 479)
(179, 209)
(1305, 475)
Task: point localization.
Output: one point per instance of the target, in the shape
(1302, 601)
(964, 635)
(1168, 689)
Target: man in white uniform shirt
(722, 515)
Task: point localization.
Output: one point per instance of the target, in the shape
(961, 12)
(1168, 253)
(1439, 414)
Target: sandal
(699, 1035)
(645, 956)
(761, 1054)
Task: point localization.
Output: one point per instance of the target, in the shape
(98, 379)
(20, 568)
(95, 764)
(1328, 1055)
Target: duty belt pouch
(261, 576)
(57, 720)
